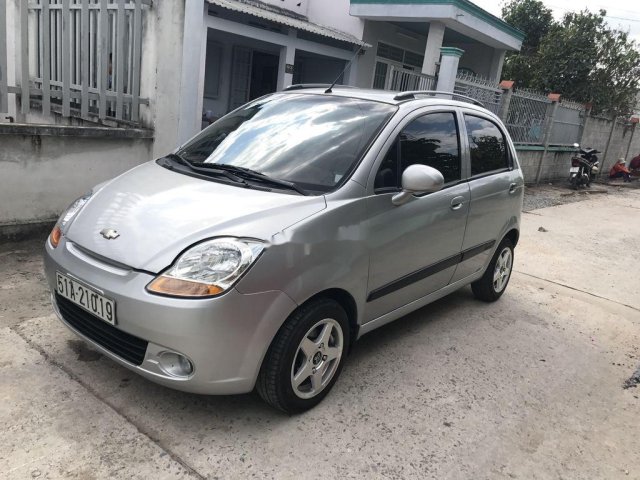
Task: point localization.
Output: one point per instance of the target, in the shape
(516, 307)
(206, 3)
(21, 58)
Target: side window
(487, 145)
(387, 178)
(432, 140)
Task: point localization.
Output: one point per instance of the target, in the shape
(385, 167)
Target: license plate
(574, 169)
(87, 298)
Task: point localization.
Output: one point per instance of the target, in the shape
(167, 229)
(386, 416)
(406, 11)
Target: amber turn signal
(56, 235)
(182, 288)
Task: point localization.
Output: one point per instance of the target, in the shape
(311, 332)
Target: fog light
(175, 364)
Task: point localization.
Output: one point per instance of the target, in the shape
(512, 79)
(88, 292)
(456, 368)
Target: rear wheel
(306, 357)
(495, 279)
(574, 182)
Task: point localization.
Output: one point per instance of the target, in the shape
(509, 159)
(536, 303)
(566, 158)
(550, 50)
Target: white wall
(476, 56)
(43, 173)
(335, 14)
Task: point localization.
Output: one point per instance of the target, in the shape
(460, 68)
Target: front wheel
(306, 357)
(495, 279)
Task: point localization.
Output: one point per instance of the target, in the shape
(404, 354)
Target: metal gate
(481, 89)
(77, 58)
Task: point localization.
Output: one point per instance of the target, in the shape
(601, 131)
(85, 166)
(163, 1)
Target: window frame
(395, 136)
(404, 50)
(509, 153)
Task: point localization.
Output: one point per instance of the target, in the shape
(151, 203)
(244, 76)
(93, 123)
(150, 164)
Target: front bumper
(225, 337)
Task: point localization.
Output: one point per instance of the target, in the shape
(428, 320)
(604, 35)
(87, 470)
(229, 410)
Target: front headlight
(208, 268)
(73, 209)
(65, 218)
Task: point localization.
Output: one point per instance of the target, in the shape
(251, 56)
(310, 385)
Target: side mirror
(418, 179)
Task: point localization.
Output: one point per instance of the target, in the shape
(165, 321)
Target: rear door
(414, 248)
(495, 186)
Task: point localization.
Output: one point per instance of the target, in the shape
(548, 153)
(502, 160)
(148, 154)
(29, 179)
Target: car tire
(495, 279)
(306, 357)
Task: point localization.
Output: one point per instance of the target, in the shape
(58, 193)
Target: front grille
(130, 348)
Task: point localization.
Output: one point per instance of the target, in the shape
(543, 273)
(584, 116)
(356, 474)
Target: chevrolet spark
(257, 253)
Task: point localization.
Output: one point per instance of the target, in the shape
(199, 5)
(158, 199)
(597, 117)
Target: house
(164, 64)
(256, 47)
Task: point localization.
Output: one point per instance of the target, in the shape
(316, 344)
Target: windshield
(313, 141)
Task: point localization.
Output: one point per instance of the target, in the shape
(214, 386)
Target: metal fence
(400, 80)
(568, 121)
(526, 116)
(79, 58)
(486, 91)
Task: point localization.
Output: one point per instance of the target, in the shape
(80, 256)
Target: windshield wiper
(259, 177)
(208, 170)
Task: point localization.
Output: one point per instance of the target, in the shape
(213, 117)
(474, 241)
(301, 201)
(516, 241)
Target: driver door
(415, 247)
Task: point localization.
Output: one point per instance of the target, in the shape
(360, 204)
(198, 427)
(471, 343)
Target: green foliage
(580, 57)
(532, 17)
(535, 20)
(568, 55)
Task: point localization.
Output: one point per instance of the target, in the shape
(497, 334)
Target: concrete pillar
(13, 64)
(286, 62)
(587, 117)
(497, 61)
(432, 49)
(550, 115)
(190, 118)
(507, 92)
(448, 68)
(603, 159)
(634, 124)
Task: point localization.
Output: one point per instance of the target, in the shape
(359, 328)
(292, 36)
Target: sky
(621, 14)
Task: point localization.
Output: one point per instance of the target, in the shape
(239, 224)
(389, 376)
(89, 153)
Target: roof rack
(300, 86)
(412, 94)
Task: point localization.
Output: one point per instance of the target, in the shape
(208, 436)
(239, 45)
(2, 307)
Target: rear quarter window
(487, 146)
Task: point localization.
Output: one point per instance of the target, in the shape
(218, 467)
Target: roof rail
(412, 94)
(300, 86)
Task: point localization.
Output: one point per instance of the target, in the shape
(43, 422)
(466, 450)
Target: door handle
(457, 203)
(512, 187)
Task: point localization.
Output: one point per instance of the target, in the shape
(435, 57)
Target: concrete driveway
(529, 387)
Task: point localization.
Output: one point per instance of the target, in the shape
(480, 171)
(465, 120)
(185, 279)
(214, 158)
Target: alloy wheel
(502, 270)
(317, 358)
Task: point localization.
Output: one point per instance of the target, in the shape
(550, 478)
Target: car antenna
(328, 90)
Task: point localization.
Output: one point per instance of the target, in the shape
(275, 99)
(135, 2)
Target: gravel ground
(550, 194)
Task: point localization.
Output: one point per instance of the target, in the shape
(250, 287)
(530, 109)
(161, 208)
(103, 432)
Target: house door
(264, 74)
(380, 75)
(240, 76)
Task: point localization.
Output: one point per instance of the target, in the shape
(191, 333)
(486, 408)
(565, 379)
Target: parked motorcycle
(584, 167)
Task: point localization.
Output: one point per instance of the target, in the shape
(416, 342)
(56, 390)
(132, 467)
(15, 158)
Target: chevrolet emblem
(109, 233)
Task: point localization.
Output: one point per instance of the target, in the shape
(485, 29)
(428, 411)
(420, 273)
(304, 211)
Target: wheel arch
(346, 301)
(513, 235)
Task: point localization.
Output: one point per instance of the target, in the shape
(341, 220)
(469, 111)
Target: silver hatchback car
(257, 253)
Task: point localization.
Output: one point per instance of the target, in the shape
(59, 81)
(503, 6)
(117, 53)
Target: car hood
(158, 213)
